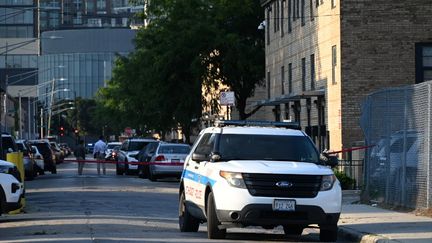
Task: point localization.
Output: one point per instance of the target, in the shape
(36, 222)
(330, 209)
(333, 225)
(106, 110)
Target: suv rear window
(137, 145)
(174, 149)
(267, 147)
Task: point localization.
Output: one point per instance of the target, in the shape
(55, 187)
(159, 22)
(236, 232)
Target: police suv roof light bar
(288, 125)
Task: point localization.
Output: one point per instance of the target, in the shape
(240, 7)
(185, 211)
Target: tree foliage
(187, 44)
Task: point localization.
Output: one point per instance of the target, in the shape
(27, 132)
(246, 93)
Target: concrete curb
(363, 237)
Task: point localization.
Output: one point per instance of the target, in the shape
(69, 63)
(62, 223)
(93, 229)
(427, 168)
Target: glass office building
(80, 61)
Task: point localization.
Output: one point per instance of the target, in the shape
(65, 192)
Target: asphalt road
(89, 208)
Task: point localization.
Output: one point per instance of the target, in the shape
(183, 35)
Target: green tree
(240, 57)
(187, 44)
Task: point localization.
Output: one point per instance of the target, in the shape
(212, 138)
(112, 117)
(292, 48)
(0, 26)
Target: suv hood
(6, 163)
(274, 167)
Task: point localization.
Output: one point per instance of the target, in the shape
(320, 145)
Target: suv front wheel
(328, 233)
(213, 231)
(187, 222)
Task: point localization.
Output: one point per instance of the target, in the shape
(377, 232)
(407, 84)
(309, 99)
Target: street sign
(227, 98)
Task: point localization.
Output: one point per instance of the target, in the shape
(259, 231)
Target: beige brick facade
(359, 46)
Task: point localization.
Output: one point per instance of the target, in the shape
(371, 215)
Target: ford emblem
(284, 184)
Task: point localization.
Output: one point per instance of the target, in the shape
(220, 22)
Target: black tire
(328, 233)
(29, 176)
(187, 222)
(213, 231)
(118, 170)
(151, 176)
(145, 172)
(290, 230)
(140, 172)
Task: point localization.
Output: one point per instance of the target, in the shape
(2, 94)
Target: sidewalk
(364, 223)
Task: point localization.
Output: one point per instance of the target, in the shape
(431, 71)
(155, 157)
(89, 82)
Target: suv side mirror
(199, 157)
(330, 160)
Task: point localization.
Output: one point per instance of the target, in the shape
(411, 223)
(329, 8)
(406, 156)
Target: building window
(290, 76)
(303, 18)
(312, 67)
(289, 15)
(282, 17)
(297, 8)
(101, 4)
(311, 10)
(333, 3)
(317, 3)
(423, 62)
(303, 64)
(267, 26)
(282, 80)
(334, 63)
(268, 85)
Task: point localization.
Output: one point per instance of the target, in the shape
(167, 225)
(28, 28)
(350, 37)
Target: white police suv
(251, 173)
(11, 187)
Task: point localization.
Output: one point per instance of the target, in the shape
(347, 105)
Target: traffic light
(61, 131)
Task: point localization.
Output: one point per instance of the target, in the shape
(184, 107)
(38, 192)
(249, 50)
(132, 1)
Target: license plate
(284, 205)
(175, 160)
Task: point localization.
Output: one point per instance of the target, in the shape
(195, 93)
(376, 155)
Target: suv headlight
(327, 182)
(235, 179)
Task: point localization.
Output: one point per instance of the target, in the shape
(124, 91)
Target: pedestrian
(99, 154)
(79, 153)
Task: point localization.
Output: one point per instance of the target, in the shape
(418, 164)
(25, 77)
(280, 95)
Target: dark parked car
(128, 153)
(144, 156)
(89, 148)
(7, 145)
(49, 158)
(30, 167)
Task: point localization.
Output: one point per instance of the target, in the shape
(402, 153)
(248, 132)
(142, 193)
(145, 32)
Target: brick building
(324, 56)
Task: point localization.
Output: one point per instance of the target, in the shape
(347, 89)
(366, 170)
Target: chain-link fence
(397, 122)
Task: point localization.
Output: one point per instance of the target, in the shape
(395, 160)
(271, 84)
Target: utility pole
(19, 114)
(41, 122)
(50, 108)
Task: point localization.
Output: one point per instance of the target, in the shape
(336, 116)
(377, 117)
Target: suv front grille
(296, 186)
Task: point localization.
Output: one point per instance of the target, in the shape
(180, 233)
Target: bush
(346, 181)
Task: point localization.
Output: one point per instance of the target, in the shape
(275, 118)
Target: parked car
(272, 173)
(30, 167)
(144, 156)
(89, 148)
(110, 147)
(167, 160)
(11, 187)
(58, 152)
(113, 155)
(128, 152)
(66, 149)
(39, 160)
(49, 158)
(8, 145)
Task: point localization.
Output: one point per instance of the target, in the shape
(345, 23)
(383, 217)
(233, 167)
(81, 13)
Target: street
(66, 207)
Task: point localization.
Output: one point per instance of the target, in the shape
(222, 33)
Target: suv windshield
(267, 147)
